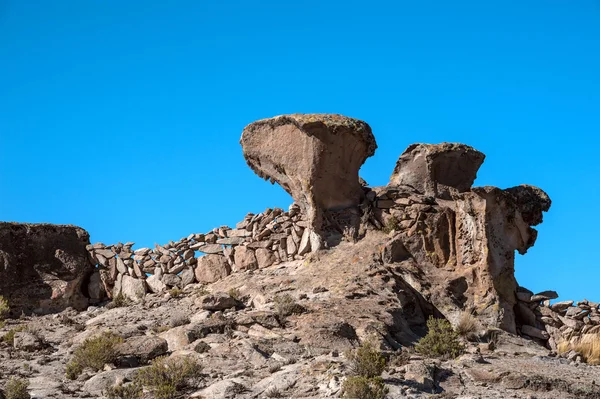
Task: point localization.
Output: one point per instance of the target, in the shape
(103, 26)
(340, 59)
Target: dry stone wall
(258, 241)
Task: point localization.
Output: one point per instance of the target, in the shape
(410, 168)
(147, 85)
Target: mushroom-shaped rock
(314, 157)
(438, 169)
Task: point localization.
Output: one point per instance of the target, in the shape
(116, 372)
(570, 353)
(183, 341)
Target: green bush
(359, 387)
(131, 391)
(441, 340)
(366, 361)
(9, 337)
(391, 225)
(93, 353)
(4, 308)
(16, 388)
(166, 376)
(120, 301)
(175, 292)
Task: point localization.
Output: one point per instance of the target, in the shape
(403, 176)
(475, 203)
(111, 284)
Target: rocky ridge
(376, 265)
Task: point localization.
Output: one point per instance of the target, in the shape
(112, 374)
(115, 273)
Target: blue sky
(124, 117)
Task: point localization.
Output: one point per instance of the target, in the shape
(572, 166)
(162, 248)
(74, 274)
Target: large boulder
(463, 239)
(438, 169)
(43, 266)
(314, 157)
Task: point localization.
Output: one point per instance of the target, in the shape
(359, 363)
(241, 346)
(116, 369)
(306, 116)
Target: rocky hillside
(401, 291)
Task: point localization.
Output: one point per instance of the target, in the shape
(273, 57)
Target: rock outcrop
(314, 157)
(43, 266)
(438, 169)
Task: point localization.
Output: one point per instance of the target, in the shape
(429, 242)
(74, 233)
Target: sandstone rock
(218, 301)
(133, 288)
(438, 169)
(534, 332)
(187, 277)
(27, 341)
(171, 280)
(394, 251)
(314, 157)
(43, 266)
(264, 257)
(211, 268)
(211, 248)
(141, 348)
(155, 284)
(245, 259)
(99, 383)
(543, 296)
(95, 288)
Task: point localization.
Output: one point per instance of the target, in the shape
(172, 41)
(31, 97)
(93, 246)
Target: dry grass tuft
(467, 326)
(588, 346)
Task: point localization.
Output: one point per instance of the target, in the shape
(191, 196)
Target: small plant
(201, 291)
(235, 293)
(4, 308)
(167, 376)
(441, 340)
(160, 328)
(588, 347)
(273, 392)
(358, 387)
(467, 326)
(130, 391)
(16, 388)
(285, 305)
(366, 361)
(391, 225)
(175, 292)
(93, 353)
(9, 337)
(119, 301)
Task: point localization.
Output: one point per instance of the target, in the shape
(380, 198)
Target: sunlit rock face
(314, 157)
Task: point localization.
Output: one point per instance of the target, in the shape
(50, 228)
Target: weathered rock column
(314, 157)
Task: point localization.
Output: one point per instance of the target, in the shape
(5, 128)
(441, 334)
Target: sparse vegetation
(16, 388)
(167, 376)
(588, 347)
(467, 326)
(9, 337)
(4, 308)
(119, 301)
(175, 292)
(366, 363)
(359, 387)
(285, 305)
(441, 340)
(93, 353)
(235, 293)
(273, 392)
(391, 225)
(130, 391)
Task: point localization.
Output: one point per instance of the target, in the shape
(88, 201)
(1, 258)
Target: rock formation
(43, 266)
(314, 157)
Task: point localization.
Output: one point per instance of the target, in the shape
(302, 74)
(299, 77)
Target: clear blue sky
(124, 117)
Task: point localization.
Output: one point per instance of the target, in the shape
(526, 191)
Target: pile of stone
(559, 322)
(258, 241)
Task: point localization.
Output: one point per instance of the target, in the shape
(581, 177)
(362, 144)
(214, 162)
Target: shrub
(175, 292)
(467, 325)
(120, 301)
(16, 388)
(9, 337)
(93, 353)
(391, 225)
(359, 387)
(166, 376)
(588, 347)
(285, 305)
(4, 308)
(273, 392)
(130, 391)
(366, 361)
(441, 340)
(235, 294)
